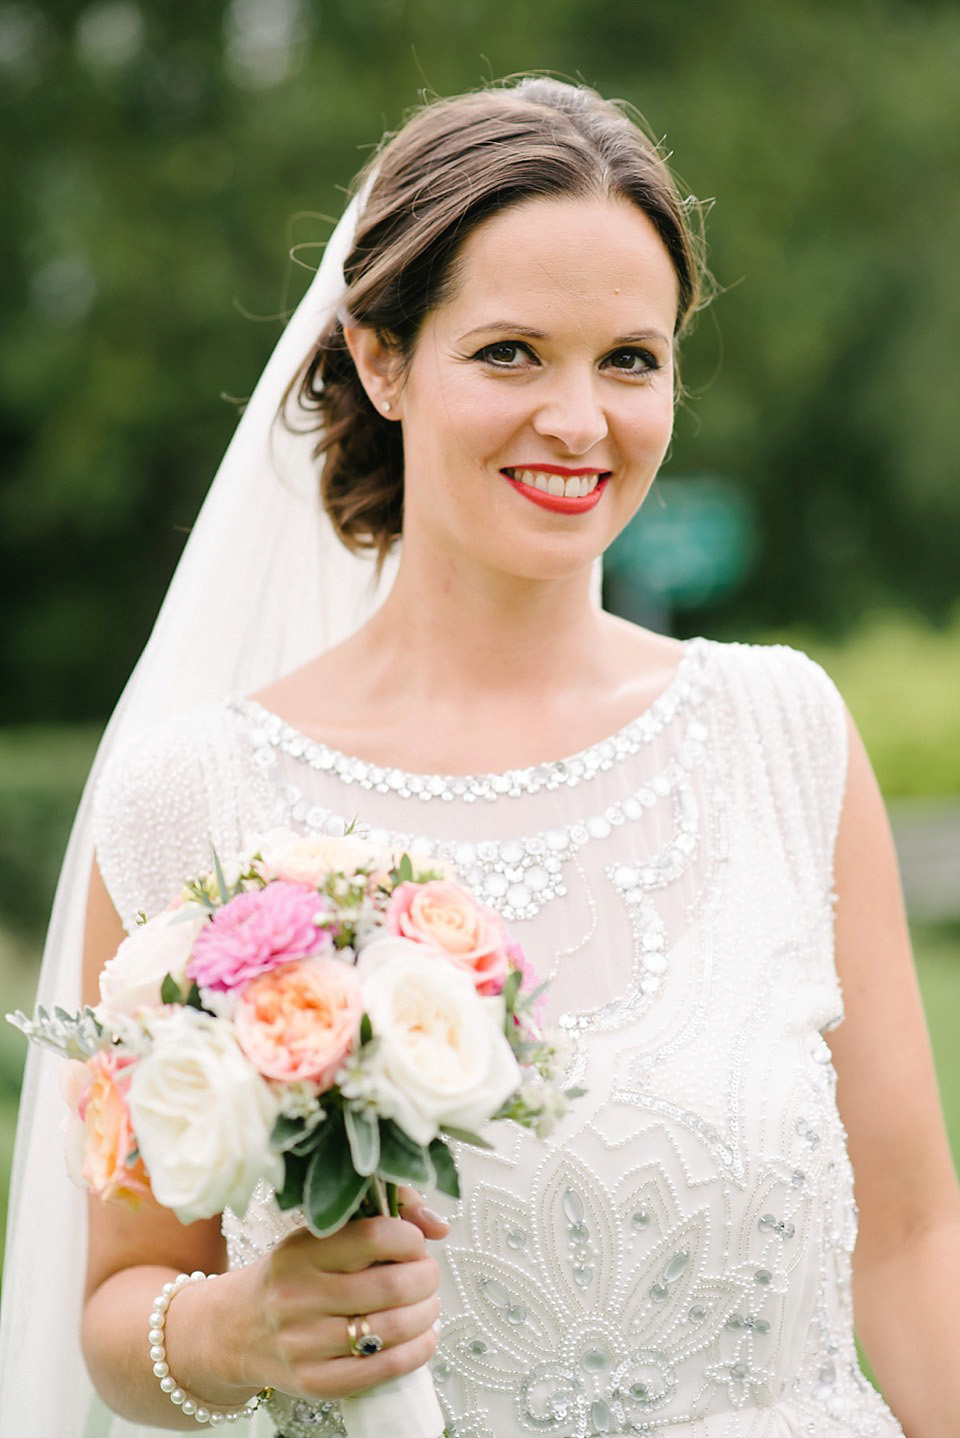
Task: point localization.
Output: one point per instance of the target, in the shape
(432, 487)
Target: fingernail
(432, 1217)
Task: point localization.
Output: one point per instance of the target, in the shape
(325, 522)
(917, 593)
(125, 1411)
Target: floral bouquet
(323, 1020)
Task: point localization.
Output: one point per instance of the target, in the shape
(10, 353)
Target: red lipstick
(557, 503)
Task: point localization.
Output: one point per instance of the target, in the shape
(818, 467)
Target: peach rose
(446, 917)
(109, 1133)
(300, 1020)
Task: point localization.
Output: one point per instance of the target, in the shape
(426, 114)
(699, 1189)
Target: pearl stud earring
(386, 406)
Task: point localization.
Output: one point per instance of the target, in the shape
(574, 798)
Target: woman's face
(538, 402)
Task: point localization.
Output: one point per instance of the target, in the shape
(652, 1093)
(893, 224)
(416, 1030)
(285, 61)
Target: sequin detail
(271, 731)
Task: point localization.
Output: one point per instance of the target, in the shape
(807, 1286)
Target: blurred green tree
(160, 160)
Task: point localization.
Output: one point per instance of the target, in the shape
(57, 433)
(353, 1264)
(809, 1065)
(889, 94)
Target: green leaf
(444, 1168)
(363, 1134)
(170, 990)
(286, 1133)
(575, 1092)
(193, 997)
(511, 988)
(294, 1174)
(405, 869)
(222, 885)
(366, 1030)
(401, 1159)
(463, 1135)
(333, 1189)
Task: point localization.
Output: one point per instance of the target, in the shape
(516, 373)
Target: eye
(633, 361)
(505, 354)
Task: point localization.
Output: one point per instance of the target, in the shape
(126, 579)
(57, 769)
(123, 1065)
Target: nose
(570, 412)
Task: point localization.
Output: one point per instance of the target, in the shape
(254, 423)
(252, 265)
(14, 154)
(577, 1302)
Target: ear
(379, 365)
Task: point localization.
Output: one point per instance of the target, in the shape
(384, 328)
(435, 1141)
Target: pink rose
(255, 932)
(298, 1022)
(444, 916)
(110, 1140)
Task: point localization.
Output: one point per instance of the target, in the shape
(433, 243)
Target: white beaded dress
(676, 1260)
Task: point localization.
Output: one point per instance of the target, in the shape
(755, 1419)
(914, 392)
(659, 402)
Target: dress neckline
(268, 729)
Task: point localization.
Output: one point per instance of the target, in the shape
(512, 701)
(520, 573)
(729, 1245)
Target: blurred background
(168, 175)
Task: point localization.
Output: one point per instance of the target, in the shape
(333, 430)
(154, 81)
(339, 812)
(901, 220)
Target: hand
(307, 1288)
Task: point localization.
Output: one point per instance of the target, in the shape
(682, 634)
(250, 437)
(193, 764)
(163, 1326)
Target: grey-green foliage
(157, 166)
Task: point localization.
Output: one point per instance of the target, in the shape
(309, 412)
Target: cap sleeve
(790, 756)
(162, 805)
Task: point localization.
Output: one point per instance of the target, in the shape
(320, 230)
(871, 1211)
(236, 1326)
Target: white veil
(263, 585)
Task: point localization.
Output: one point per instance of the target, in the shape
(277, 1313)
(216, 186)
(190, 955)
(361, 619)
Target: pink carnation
(444, 916)
(530, 980)
(255, 932)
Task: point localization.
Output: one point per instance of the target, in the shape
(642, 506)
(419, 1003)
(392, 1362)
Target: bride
(687, 837)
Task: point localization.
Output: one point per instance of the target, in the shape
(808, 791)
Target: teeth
(576, 488)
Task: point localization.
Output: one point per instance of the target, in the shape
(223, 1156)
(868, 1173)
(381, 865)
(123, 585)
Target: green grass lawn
(938, 965)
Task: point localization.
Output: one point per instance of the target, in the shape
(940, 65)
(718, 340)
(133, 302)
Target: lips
(564, 491)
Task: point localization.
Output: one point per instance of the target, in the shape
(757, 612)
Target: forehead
(599, 255)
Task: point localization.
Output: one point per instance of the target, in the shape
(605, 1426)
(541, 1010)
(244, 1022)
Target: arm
(906, 1266)
(281, 1322)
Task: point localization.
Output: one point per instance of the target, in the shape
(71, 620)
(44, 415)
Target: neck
(441, 633)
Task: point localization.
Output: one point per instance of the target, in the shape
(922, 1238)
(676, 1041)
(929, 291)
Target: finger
(414, 1209)
(310, 1344)
(385, 1286)
(344, 1377)
(395, 1326)
(357, 1245)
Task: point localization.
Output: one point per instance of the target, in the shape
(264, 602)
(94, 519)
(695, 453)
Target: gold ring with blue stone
(364, 1343)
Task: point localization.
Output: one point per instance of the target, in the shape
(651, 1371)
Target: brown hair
(454, 164)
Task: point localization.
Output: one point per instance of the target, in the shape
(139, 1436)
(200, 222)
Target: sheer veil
(263, 584)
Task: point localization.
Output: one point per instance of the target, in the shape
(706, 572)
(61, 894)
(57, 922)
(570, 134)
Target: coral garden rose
(203, 1118)
(131, 980)
(441, 914)
(255, 932)
(299, 1021)
(440, 1059)
(108, 1137)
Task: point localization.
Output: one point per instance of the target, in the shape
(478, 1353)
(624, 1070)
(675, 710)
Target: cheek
(476, 417)
(647, 431)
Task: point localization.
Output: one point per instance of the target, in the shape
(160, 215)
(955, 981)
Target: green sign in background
(693, 541)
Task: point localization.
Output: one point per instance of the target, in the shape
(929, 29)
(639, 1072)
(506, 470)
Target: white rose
(131, 980)
(441, 1059)
(308, 859)
(203, 1117)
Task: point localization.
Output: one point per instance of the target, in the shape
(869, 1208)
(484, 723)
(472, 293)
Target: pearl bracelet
(193, 1407)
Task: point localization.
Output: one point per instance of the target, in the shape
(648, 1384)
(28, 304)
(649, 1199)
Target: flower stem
(386, 1195)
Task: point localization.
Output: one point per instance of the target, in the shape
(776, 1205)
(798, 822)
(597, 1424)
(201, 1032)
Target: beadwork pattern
(677, 1261)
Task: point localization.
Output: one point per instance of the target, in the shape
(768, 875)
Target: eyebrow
(507, 327)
